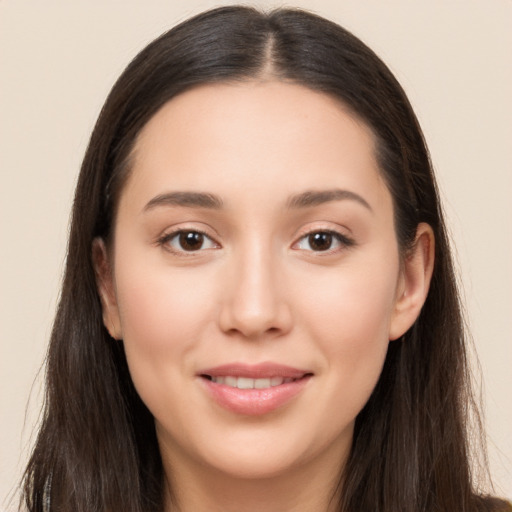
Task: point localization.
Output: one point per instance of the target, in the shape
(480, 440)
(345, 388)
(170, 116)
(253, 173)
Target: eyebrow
(187, 199)
(317, 197)
(307, 199)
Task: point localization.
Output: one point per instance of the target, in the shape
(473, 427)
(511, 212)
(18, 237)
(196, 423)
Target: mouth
(249, 383)
(254, 389)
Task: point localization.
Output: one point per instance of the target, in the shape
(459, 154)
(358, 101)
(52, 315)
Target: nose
(255, 302)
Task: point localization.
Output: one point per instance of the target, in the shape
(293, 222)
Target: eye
(188, 240)
(323, 241)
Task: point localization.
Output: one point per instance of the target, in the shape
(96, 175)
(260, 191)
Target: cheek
(154, 310)
(354, 304)
(349, 317)
(163, 317)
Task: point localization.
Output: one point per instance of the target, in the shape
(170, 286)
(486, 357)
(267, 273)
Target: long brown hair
(97, 448)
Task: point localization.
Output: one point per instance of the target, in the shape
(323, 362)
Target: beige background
(58, 60)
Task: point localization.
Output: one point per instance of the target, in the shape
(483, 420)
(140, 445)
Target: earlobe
(413, 289)
(106, 289)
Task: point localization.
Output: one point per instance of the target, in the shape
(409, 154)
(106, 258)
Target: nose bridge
(255, 302)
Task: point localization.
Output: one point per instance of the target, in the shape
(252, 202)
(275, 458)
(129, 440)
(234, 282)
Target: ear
(414, 283)
(106, 289)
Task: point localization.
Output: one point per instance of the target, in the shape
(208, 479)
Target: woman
(259, 310)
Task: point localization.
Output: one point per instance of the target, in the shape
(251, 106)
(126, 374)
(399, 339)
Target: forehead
(272, 135)
(283, 106)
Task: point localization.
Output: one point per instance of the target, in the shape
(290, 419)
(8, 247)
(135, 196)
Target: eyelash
(343, 241)
(168, 237)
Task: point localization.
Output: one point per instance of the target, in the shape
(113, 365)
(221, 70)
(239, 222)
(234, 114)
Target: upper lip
(255, 371)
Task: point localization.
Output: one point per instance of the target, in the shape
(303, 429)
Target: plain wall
(58, 60)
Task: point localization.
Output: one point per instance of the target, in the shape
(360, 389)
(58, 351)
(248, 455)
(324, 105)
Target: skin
(257, 290)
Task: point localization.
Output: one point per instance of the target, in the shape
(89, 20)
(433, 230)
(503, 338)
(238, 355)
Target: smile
(254, 390)
(248, 383)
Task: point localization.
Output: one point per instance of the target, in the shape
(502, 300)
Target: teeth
(277, 381)
(229, 381)
(244, 383)
(261, 383)
(247, 383)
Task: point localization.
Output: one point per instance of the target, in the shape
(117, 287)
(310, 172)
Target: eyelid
(188, 225)
(344, 240)
(164, 239)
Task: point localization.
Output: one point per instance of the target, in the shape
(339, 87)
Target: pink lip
(253, 402)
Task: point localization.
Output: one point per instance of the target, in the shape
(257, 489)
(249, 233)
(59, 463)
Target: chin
(257, 465)
(263, 454)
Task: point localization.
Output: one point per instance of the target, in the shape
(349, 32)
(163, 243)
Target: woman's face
(256, 278)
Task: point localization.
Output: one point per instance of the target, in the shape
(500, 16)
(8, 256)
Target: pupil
(191, 240)
(320, 241)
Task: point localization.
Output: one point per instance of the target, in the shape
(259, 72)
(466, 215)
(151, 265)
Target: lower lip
(254, 402)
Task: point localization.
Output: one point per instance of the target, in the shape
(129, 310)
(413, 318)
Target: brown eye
(191, 240)
(321, 241)
(187, 241)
